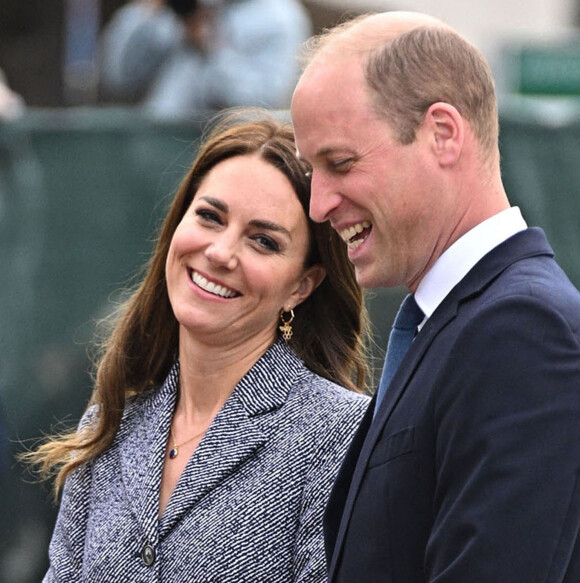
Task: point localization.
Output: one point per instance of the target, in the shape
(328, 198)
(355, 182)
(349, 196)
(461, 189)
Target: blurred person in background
(11, 104)
(217, 423)
(180, 57)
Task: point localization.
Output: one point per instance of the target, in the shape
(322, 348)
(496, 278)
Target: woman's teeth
(212, 288)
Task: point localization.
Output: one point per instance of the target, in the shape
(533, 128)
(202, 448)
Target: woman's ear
(447, 129)
(310, 280)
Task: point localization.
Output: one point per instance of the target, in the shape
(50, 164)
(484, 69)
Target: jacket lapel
(333, 526)
(528, 243)
(237, 433)
(230, 440)
(143, 438)
(375, 427)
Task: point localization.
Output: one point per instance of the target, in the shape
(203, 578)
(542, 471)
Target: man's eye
(208, 215)
(342, 165)
(267, 243)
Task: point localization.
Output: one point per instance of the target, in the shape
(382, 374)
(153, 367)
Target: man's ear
(447, 128)
(311, 279)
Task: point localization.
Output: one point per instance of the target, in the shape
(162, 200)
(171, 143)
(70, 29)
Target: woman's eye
(208, 215)
(267, 243)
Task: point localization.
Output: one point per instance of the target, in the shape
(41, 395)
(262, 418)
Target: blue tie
(408, 318)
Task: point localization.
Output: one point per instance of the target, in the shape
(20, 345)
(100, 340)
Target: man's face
(378, 194)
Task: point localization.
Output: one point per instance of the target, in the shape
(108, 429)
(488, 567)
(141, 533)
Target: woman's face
(237, 256)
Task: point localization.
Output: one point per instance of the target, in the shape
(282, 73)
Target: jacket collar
(525, 244)
(529, 243)
(237, 432)
(267, 384)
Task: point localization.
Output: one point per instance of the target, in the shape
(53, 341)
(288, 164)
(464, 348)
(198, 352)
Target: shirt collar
(457, 261)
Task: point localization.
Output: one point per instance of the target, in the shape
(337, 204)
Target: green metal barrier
(540, 158)
(80, 196)
(81, 193)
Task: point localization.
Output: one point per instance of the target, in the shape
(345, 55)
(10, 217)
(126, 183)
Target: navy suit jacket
(469, 472)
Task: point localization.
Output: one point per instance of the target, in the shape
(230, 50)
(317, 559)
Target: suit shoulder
(539, 277)
(529, 295)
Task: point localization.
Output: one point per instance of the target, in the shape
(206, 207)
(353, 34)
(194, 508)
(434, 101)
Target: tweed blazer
(249, 504)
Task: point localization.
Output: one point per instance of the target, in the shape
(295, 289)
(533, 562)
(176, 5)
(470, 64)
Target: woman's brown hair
(330, 327)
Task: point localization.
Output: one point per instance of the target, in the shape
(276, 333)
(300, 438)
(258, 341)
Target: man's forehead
(324, 69)
(331, 82)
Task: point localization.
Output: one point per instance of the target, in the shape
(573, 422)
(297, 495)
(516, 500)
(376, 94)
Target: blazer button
(148, 555)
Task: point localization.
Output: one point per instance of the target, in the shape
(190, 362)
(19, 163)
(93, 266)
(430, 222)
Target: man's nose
(323, 198)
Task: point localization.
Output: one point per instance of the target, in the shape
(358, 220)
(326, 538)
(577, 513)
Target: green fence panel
(541, 171)
(81, 193)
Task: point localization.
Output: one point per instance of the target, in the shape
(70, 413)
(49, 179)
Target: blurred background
(102, 103)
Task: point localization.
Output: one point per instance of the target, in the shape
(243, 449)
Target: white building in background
(490, 25)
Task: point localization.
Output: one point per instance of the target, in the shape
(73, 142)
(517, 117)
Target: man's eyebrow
(326, 151)
(319, 153)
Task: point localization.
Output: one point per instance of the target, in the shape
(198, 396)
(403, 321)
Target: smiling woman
(238, 256)
(211, 442)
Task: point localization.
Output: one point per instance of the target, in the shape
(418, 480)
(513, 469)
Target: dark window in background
(32, 47)
(34, 51)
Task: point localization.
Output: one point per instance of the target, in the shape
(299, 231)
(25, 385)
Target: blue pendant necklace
(175, 449)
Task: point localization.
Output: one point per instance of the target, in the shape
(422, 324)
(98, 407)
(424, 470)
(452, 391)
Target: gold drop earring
(286, 328)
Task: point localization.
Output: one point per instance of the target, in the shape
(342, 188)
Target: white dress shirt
(457, 261)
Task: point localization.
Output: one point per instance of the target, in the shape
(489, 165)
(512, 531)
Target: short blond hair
(411, 61)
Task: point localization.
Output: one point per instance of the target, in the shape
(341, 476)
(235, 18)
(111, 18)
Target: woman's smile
(212, 287)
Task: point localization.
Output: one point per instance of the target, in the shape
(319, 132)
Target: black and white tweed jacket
(248, 506)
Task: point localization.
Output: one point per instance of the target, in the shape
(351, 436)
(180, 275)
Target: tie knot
(409, 315)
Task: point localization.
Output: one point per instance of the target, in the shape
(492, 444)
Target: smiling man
(466, 467)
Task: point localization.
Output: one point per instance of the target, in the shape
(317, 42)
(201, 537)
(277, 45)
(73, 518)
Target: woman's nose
(222, 251)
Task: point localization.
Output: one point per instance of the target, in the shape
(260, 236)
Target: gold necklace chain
(175, 449)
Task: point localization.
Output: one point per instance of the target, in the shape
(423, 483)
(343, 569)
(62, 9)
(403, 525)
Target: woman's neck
(210, 373)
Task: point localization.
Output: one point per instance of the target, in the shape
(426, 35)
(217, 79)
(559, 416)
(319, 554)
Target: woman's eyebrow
(257, 223)
(216, 202)
(270, 226)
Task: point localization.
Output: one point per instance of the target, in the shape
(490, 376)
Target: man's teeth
(211, 287)
(347, 234)
(354, 244)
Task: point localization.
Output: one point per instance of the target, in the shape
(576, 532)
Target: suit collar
(239, 429)
(529, 243)
(456, 262)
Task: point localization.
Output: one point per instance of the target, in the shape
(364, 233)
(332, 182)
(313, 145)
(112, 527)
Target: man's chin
(366, 278)
(370, 276)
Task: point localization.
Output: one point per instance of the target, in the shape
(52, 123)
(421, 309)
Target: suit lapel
(334, 524)
(531, 242)
(374, 427)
